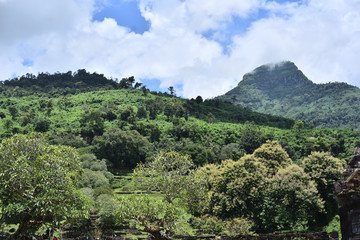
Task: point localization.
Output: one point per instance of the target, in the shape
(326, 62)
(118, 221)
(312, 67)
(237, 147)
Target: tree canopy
(38, 183)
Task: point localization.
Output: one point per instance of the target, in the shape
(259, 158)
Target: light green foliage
(325, 170)
(89, 161)
(334, 225)
(208, 224)
(239, 190)
(273, 156)
(107, 208)
(266, 188)
(213, 225)
(238, 226)
(95, 172)
(231, 151)
(153, 216)
(93, 179)
(174, 175)
(291, 201)
(38, 183)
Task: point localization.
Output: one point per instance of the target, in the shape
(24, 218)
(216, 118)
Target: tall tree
(177, 178)
(174, 175)
(172, 90)
(38, 183)
(325, 170)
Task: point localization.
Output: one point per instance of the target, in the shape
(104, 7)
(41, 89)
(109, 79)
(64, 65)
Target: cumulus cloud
(321, 37)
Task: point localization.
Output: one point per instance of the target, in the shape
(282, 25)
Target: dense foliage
(38, 183)
(269, 189)
(264, 172)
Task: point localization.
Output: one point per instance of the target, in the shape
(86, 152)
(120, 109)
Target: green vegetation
(38, 184)
(284, 90)
(158, 162)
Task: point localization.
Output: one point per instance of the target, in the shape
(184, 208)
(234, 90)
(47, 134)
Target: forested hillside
(235, 162)
(283, 90)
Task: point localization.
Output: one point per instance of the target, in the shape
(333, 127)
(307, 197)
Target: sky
(201, 47)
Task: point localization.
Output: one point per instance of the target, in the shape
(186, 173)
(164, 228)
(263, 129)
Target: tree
(239, 188)
(13, 111)
(127, 82)
(137, 85)
(122, 148)
(141, 113)
(42, 124)
(92, 124)
(199, 99)
(128, 115)
(174, 175)
(155, 217)
(291, 201)
(325, 170)
(172, 90)
(273, 156)
(38, 183)
(266, 188)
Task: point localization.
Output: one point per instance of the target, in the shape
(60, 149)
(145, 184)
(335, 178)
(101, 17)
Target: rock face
(347, 192)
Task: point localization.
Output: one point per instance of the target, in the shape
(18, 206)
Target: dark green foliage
(69, 140)
(122, 148)
(141, 113)
(109, 115)
(27, 117)
(231, 151)
(199, 99)
(58, 84)
(42, 124)
(155, 107)
(13, 111)
(127, 82)
(227, 112)
(92, 124)
(199, 154)
(127, 115)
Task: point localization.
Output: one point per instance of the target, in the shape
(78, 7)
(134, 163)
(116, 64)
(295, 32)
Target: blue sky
(201, 47)
(125, 13)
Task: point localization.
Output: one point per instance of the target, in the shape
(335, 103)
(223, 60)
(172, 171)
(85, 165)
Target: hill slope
(283, 90)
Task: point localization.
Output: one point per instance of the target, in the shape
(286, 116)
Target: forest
(82, 154)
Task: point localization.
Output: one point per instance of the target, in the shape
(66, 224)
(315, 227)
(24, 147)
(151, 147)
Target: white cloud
(321, 37)
(317, 37)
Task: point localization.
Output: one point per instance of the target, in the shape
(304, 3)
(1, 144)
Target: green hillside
(283, 90)
(220, 163)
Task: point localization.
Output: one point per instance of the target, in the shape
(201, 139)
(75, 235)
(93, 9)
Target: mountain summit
(282, 89)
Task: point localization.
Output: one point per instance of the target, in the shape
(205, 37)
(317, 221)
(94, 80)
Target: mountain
(282, 89)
